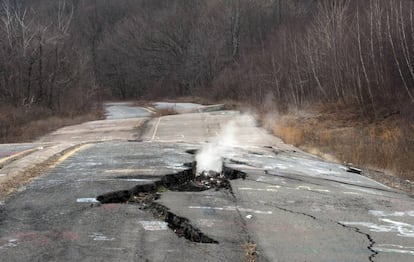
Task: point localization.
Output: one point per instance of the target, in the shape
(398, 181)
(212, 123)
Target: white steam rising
(210, 157)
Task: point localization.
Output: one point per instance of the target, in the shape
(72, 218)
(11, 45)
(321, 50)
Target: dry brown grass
(290, 134)
(24, 125)
(251, 252)
(385, 144)
(165, 112)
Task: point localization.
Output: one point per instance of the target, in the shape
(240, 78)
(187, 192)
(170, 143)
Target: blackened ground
(180, 225)
(184, 181)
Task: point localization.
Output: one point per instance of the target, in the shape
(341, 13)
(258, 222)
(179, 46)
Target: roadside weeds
(19, 125)
(251, 252)
(340, 136)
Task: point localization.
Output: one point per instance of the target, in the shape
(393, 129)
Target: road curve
(292, 206)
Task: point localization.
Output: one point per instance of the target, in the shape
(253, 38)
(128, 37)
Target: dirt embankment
(339, 133)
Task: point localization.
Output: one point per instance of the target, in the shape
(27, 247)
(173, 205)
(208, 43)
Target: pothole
(185, 181)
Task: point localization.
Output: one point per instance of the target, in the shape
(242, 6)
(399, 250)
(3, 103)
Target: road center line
(68, 154)
(149, 110)
(232, 208)
(156, 129)
(17, 155)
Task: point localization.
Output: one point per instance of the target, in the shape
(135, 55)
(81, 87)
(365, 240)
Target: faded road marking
(87, 200)
(154, 225)
(390, 248)
(149, 110)
(10, 243)
(364, 190)
(116, 179)
(156, 128)
(258, 189)
(232, 208)
(352, 193)
(68, 154)
(312, 189)
(271, 179)
(127, 171)
(100, 237)
(18, 155)
(209, 222)
(325, 172)
(403, 229)
(379, 213)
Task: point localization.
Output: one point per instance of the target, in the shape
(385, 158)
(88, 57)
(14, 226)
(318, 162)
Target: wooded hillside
(64, 55)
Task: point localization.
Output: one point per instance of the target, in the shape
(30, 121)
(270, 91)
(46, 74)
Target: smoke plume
(210, 157)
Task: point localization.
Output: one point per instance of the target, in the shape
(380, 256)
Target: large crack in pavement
(294, 212)
(145, 196)
(368, 236)
(184, 181)
(370, 247)
(181, 226)
(250, 246)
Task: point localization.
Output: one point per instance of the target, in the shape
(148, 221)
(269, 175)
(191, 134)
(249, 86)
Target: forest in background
(64, 55)
(62, 58)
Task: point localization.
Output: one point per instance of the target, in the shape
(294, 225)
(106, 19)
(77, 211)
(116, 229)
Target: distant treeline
(64, 55)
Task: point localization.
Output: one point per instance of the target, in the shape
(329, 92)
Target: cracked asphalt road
(293, 206)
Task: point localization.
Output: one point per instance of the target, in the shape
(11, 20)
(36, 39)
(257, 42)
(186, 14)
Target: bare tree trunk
(40, 68)
(403, 42)
(275, 78)
(412, 25)
(379, 27)
(29, 79)
(300, 93)
(235, 34)
(313, 68)
(373, 57)
(360, 92)
(397, 62)
(361, 58)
